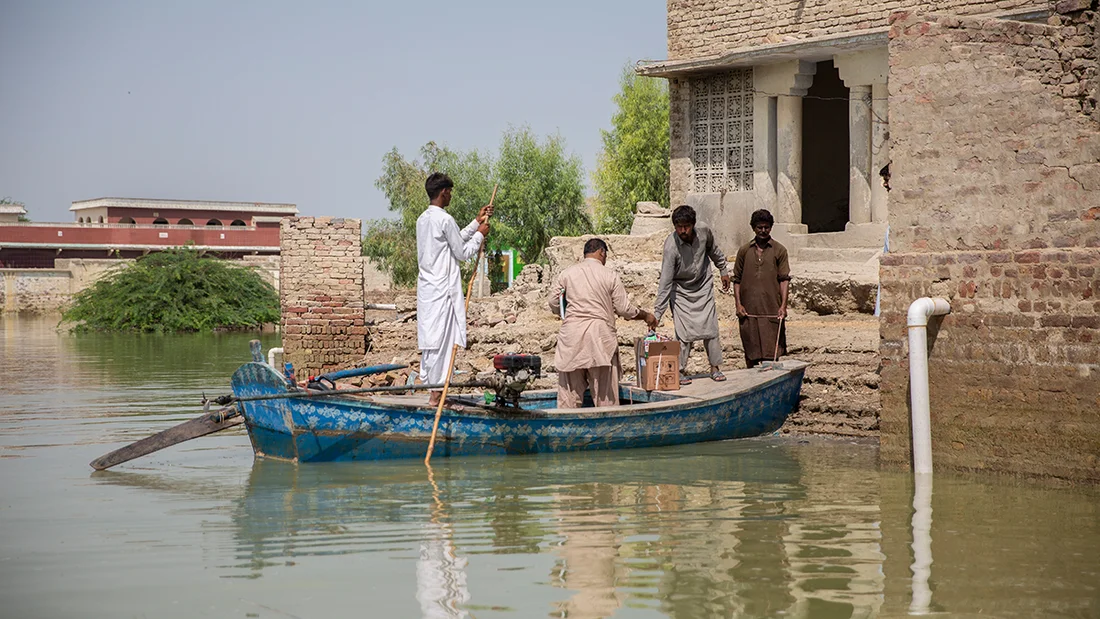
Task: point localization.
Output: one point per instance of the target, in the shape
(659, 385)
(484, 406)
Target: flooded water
(756, 528)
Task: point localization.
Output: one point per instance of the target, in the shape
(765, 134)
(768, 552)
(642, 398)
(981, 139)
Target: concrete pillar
(764, 151)
(679, 125)
(778, 112)
(859, 154)
(788, 191)
(880, 151)
(868, 141)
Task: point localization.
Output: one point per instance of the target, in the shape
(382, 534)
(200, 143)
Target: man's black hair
(761, 216)
(436, 183)
(684, 215)
(594, 245)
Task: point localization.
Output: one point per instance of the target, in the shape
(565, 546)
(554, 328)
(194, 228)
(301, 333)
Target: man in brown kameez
(588, 295)
(761, 276)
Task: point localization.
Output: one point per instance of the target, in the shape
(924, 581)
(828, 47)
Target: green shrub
(175, 290)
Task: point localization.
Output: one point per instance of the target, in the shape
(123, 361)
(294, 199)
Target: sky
(271, 101)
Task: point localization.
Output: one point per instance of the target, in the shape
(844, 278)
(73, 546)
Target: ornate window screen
(721, 132)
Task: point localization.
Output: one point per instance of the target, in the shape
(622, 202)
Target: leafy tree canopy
(633, 166)
(175, 290)
(540, 195)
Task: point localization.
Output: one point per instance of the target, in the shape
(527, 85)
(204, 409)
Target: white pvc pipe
(271, 355)
(919, 313)
(380, 306)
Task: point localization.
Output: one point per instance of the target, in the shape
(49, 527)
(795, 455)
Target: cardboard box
(657, 364)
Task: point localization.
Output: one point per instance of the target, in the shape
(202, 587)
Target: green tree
(540, 194)
(175, 290)
(633, 166)
(391, 243)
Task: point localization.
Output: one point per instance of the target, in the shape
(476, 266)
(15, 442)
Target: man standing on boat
(687, 286)
(440, 304)
(761, 277)
(587, 296)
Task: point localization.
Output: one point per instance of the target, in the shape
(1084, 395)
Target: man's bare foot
(433, 397)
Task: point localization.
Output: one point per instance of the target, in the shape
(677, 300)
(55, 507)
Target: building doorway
(825, 152)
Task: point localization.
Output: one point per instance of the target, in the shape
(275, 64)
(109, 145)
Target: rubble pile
(840, 395)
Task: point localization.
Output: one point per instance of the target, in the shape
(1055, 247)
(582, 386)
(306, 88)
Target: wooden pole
(777, 336)
(454, 349)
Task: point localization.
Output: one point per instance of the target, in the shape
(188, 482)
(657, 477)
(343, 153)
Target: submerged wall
(995, 201)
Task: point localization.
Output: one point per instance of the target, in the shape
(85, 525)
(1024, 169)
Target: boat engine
(514, 370)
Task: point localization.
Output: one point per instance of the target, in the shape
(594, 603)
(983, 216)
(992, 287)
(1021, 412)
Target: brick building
(129, 227)
(983, 113)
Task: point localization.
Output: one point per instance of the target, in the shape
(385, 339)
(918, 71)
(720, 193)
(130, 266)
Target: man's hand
(485, 213)
(650, 320)
(741, 311)
(782, 312)
(725, 283)
(484, 229)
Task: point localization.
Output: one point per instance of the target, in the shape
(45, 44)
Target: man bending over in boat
(440, 305)
(587, 296)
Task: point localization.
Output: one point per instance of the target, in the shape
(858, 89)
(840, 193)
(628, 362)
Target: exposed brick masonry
(995, 201)
(699, 28)
(322, 293)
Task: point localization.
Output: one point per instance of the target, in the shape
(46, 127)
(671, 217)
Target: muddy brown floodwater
(771, 527)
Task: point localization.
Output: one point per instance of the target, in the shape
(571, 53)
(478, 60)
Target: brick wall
(995, 201)
(699, 28)
(321, 293)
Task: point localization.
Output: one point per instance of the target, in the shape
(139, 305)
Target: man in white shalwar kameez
(440, 304)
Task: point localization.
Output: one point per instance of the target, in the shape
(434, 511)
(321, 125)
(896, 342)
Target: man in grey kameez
(687, 286)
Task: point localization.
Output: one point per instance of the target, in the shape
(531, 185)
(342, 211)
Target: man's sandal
(718, 376)
(684, 380)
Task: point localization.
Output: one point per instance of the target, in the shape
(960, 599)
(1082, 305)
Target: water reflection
(922, 544)
(754, 529)
(718, 530)
(440, 571)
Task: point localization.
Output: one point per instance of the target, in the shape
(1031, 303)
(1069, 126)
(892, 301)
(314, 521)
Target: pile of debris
(841, 391)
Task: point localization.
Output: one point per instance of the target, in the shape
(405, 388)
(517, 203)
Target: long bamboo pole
(454, 349)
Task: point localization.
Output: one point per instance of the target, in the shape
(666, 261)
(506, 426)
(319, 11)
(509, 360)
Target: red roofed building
(131, 227)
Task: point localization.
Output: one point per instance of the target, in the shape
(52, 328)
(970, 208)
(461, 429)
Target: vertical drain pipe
(919, 312)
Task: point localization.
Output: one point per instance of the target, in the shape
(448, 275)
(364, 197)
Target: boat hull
(351, 428)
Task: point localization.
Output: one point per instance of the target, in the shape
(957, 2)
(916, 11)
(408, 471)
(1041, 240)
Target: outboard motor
(514, 371)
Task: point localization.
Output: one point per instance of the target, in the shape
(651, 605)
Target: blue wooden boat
(374, 427)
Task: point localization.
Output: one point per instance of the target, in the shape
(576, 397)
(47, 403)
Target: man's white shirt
(440, 246)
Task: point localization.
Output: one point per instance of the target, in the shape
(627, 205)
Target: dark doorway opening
(825, 152)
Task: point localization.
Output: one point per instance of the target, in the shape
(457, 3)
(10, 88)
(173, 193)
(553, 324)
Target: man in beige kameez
(761, 276)
(587, 296)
